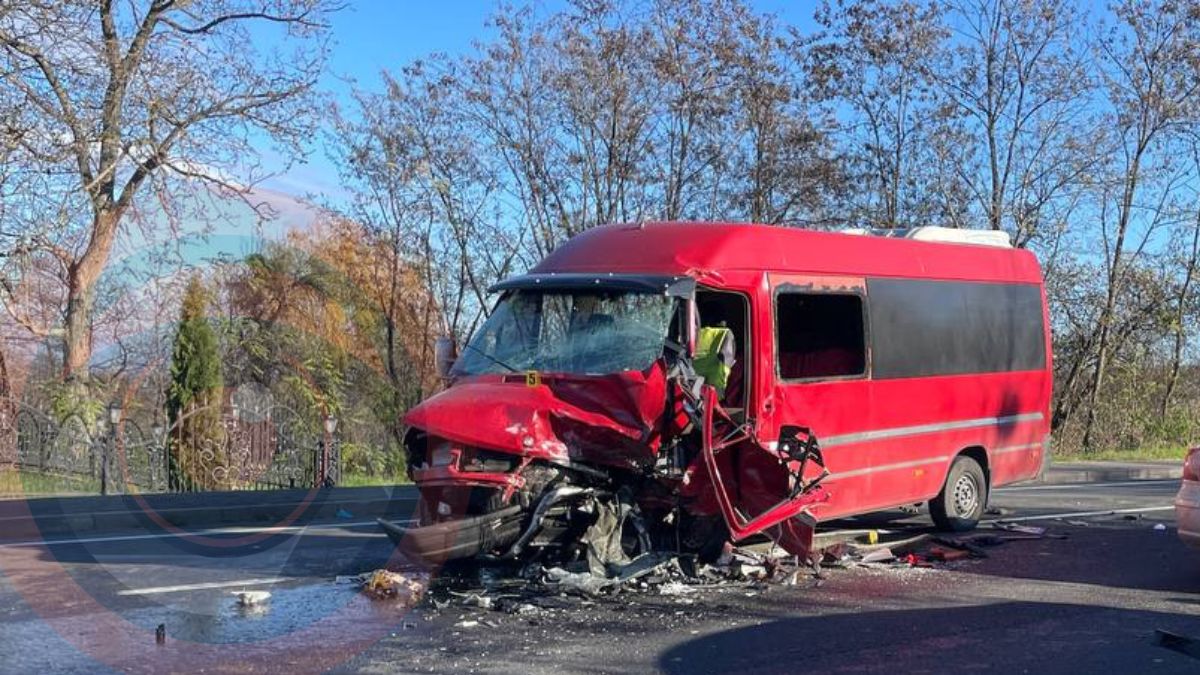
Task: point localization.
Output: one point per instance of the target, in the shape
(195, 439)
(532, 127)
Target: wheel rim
(966, 495)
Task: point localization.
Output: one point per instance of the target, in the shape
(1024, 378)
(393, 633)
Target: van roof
(696, 249)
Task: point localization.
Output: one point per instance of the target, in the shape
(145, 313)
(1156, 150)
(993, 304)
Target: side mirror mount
(445, 352)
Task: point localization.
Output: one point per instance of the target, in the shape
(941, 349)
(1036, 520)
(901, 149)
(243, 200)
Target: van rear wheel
(960, 504)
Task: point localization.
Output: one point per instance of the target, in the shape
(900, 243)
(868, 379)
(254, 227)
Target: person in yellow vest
(714, 356)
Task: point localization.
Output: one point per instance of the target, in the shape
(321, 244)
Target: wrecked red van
(672, 386)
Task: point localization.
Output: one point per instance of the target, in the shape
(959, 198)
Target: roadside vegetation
(1071, 127)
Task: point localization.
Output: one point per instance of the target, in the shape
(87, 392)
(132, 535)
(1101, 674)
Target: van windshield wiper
(489, 357)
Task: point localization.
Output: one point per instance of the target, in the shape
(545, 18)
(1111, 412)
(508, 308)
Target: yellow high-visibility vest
(714, 356)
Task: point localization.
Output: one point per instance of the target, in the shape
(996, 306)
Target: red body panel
(610, 420)
(886, 442)
(710, 251)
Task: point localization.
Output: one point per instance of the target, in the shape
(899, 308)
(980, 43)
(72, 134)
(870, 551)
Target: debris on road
(1159, 527)
(1178, 643)
(251, 598)
(947, 554)
(1026, 531)
(883, 554)
(160, 634)
(579, 582)
(1023, 529)
(385, 584)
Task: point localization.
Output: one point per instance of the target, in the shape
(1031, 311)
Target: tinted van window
(819, 335)
(921, 328)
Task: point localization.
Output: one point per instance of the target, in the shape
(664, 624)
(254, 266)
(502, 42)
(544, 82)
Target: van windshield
(590, 333)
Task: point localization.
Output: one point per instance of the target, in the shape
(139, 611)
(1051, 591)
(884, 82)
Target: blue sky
(374, 35)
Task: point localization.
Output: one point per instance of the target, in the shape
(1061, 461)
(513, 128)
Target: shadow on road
(1118, 556)
(1007, 636)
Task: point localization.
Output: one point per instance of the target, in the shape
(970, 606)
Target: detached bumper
(1187, 513)
(451, 540)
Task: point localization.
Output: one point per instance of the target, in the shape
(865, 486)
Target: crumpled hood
(608, 419)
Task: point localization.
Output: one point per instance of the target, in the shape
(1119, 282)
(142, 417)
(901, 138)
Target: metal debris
(1023, 529)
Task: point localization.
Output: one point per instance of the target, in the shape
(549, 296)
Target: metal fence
(273, 448)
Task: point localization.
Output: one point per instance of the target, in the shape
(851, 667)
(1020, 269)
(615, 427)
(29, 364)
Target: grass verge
(365, 480)
(15, 483)
(1150, 454)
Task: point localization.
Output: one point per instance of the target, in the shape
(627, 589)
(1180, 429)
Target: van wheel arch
(962, 501)
(980, 455)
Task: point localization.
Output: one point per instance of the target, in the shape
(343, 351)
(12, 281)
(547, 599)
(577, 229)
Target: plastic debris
(878, 555)
(344, 514)
(1160, 528)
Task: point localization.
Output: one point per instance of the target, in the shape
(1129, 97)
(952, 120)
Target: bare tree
(873, 59)
(1151, 79)
(148, 95)
(1018, 81)
(1189, 260)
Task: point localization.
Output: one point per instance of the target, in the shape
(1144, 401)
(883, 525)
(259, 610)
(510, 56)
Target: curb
(1110, 472)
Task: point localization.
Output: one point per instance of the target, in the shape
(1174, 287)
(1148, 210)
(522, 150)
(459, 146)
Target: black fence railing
(273, 449)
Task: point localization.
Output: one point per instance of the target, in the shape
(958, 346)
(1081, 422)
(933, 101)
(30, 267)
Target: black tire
(961, 503)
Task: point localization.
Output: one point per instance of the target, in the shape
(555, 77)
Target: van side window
(819, 335)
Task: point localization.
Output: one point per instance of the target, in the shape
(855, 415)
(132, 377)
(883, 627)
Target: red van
(677, 385)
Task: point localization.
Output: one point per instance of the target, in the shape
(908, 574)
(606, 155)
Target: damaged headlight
(441, 454)
(445, 453)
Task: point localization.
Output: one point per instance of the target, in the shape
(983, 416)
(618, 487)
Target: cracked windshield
(570, 332)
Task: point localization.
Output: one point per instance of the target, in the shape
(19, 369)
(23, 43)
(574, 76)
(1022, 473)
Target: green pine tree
(197, 437)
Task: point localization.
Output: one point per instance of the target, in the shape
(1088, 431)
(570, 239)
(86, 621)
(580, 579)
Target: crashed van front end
(575, 427)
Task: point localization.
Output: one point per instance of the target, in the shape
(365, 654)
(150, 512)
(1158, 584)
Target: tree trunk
(81, 288)
(1180, 313)
(77, 347)
(8, 418)
(1110, 299)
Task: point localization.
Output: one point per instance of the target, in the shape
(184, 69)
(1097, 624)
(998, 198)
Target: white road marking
(186, 509)
(192, 533)
(1081, 486)
(200, 586)
(1081, 514)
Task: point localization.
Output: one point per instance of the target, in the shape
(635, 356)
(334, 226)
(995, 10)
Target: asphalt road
(1087, 603)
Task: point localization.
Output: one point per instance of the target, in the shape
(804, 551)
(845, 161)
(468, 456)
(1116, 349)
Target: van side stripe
(1015, 448)
(888, 467)
(895, 432)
